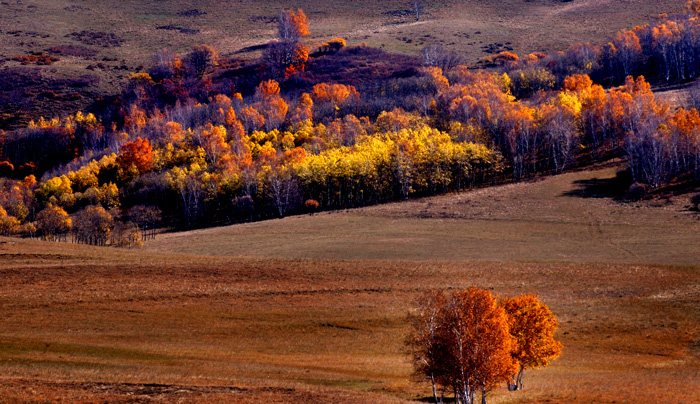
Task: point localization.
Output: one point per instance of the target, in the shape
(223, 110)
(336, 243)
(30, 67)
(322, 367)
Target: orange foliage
(137, 153)
(135, 119)
(333, 45)
(251, 119)
(577, 82)
(270, 104)
(439, 79)
(504, 58)
(213, 140)
(478, 341)
(335, 94)
(300, 55)
(393, 121)
(304, 109)
(292, 25)
(267, 90)
(532, 325)
(348, 130)
(174, 133)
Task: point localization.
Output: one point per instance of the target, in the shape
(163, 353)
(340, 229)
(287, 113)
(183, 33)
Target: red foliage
(138, 153)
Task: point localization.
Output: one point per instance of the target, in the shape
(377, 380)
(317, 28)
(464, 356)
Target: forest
(198, 140)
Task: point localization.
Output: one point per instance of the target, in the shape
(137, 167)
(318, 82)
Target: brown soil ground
(313, 308)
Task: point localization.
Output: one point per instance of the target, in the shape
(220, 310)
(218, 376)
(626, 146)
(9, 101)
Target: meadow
(314, 308)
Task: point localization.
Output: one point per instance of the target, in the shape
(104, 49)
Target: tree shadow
(613, 188)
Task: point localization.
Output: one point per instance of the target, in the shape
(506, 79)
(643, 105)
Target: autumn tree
(9, 225)
(278, 174)
(270, 104)
(417, 8)
(303, 112)
(292, 25)
(93, 225)
(192, 186)
(55, 190)
(201, 58)
(213, 140)
(426, 343)
(136, 155)
(251, 119)
(628, 49)
(533, 325)
(479, 343)
(470, 342)
(329, 98)
(463, 342)
(53, 223)
(289, 54)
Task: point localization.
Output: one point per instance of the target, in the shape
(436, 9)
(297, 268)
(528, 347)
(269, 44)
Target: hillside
(319, 311)
(97, 43)
(141, 28)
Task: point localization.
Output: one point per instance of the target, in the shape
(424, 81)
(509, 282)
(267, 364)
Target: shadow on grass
(614, 188)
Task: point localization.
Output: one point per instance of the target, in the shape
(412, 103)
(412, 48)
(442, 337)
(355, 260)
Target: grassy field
(313, 308)
(150, 25)
(568, 218)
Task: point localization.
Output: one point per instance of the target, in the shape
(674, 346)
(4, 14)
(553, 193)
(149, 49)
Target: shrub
(332, 46)
(532, 80)
(695, 201)
(637, 191)
(311, 205)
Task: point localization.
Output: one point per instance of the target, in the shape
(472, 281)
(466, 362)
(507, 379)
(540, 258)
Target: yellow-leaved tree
(532, 324)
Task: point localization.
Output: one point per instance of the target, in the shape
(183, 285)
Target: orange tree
(471, 343)
(463, 342)
(532, 324)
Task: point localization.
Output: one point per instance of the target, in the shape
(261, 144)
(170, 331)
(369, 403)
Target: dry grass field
(143, 27)
(567, 218)
(313, 308)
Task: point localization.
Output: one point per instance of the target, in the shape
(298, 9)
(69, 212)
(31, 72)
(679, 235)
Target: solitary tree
(201, 57)
(532, 325)
(417, 8)
(289, 54)
(292, 25)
